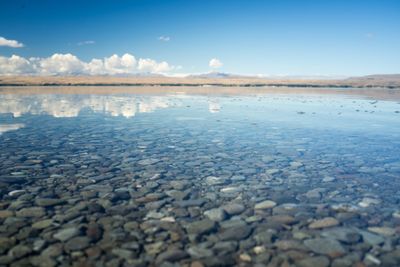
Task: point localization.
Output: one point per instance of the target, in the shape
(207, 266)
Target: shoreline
(383, 81)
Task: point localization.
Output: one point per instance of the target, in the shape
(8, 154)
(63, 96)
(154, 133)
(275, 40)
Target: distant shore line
(302, 85)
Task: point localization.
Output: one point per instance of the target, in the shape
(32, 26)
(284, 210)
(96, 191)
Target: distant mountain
(216, 75)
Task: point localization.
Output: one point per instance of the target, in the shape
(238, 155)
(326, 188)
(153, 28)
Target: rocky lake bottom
(178, 179)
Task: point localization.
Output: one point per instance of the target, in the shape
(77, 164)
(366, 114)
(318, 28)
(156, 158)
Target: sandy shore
(385, 81)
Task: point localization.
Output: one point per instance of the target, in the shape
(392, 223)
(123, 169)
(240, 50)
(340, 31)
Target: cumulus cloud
(69, 64)
(10, 43)
(215, 63)
(164, 38)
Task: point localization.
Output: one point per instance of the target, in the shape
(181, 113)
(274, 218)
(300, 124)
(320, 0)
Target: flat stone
(324, 223)
(385, 231)
(319, 261)
(65, 234)
(325, 246)
(42, 224)
(235, 233)
(6, 213)
(172, 255)
(201, 227)
(31, 212)
(346, 235)
(191, 202)
(77, 243)
(198, 252)
(19, 251)
(123, 253)
(217, 214)
(266, 204)
(233, 208)
(48, 202)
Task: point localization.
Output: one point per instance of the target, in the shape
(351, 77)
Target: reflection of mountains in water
(63, 106)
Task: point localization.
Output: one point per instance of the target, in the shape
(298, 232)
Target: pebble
(266, 204)
(65, 234)
(324, 223)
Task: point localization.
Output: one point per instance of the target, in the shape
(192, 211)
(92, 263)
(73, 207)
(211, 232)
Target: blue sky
(281, 37)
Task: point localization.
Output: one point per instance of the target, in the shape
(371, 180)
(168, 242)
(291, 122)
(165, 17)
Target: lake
(203, 176)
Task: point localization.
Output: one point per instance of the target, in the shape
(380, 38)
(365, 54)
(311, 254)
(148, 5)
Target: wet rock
(198, 252)
(266, 204)
(216, 214)
(65, 234)
(171, 256)
(31, 212)
(42, 224)
(5, 244)
(325, 246)
(6, 213)
(48, 202)
(385, 231)
(123, 253)
(235, 233)
(77, 243)
(324, 223)
(319, 261)
(201, 227)
(233, 208)
(19, 251)
(346, 235)
(190, 203)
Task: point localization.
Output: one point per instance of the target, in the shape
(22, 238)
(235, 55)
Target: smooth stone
(77, 243)
(48, 202)
(191, 202)
(367, 201)
(266, 204)
(65, 234)
(346, 235)
(217, 214)
(201, 227)
(16, 193)
(324, 223)
(235, 233)
(6, 213)
(319, 261)
(233, 208)
(212, 180)
(230, 190)
(19, 251)
(42, 224)
(31, 212)
(371, 239)
(171, 255)
(123, 253)
(6, 243)
(198, 252)
(385, 231)
(325, 246)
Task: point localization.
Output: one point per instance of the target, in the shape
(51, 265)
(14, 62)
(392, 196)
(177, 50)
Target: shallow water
(268, 177)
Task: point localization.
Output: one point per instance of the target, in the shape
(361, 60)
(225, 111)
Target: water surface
(152, 176)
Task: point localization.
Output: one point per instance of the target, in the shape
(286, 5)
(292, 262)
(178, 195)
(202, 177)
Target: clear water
(166, 159)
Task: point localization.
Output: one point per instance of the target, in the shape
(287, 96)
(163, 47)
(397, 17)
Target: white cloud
(215, 63)
(68, 64)
(89, 42)
(61, 64)
(16, 65)
(149, 65)
(164, 38)
(10, 43)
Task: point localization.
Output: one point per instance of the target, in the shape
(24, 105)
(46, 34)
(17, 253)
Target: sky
(269, 37)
